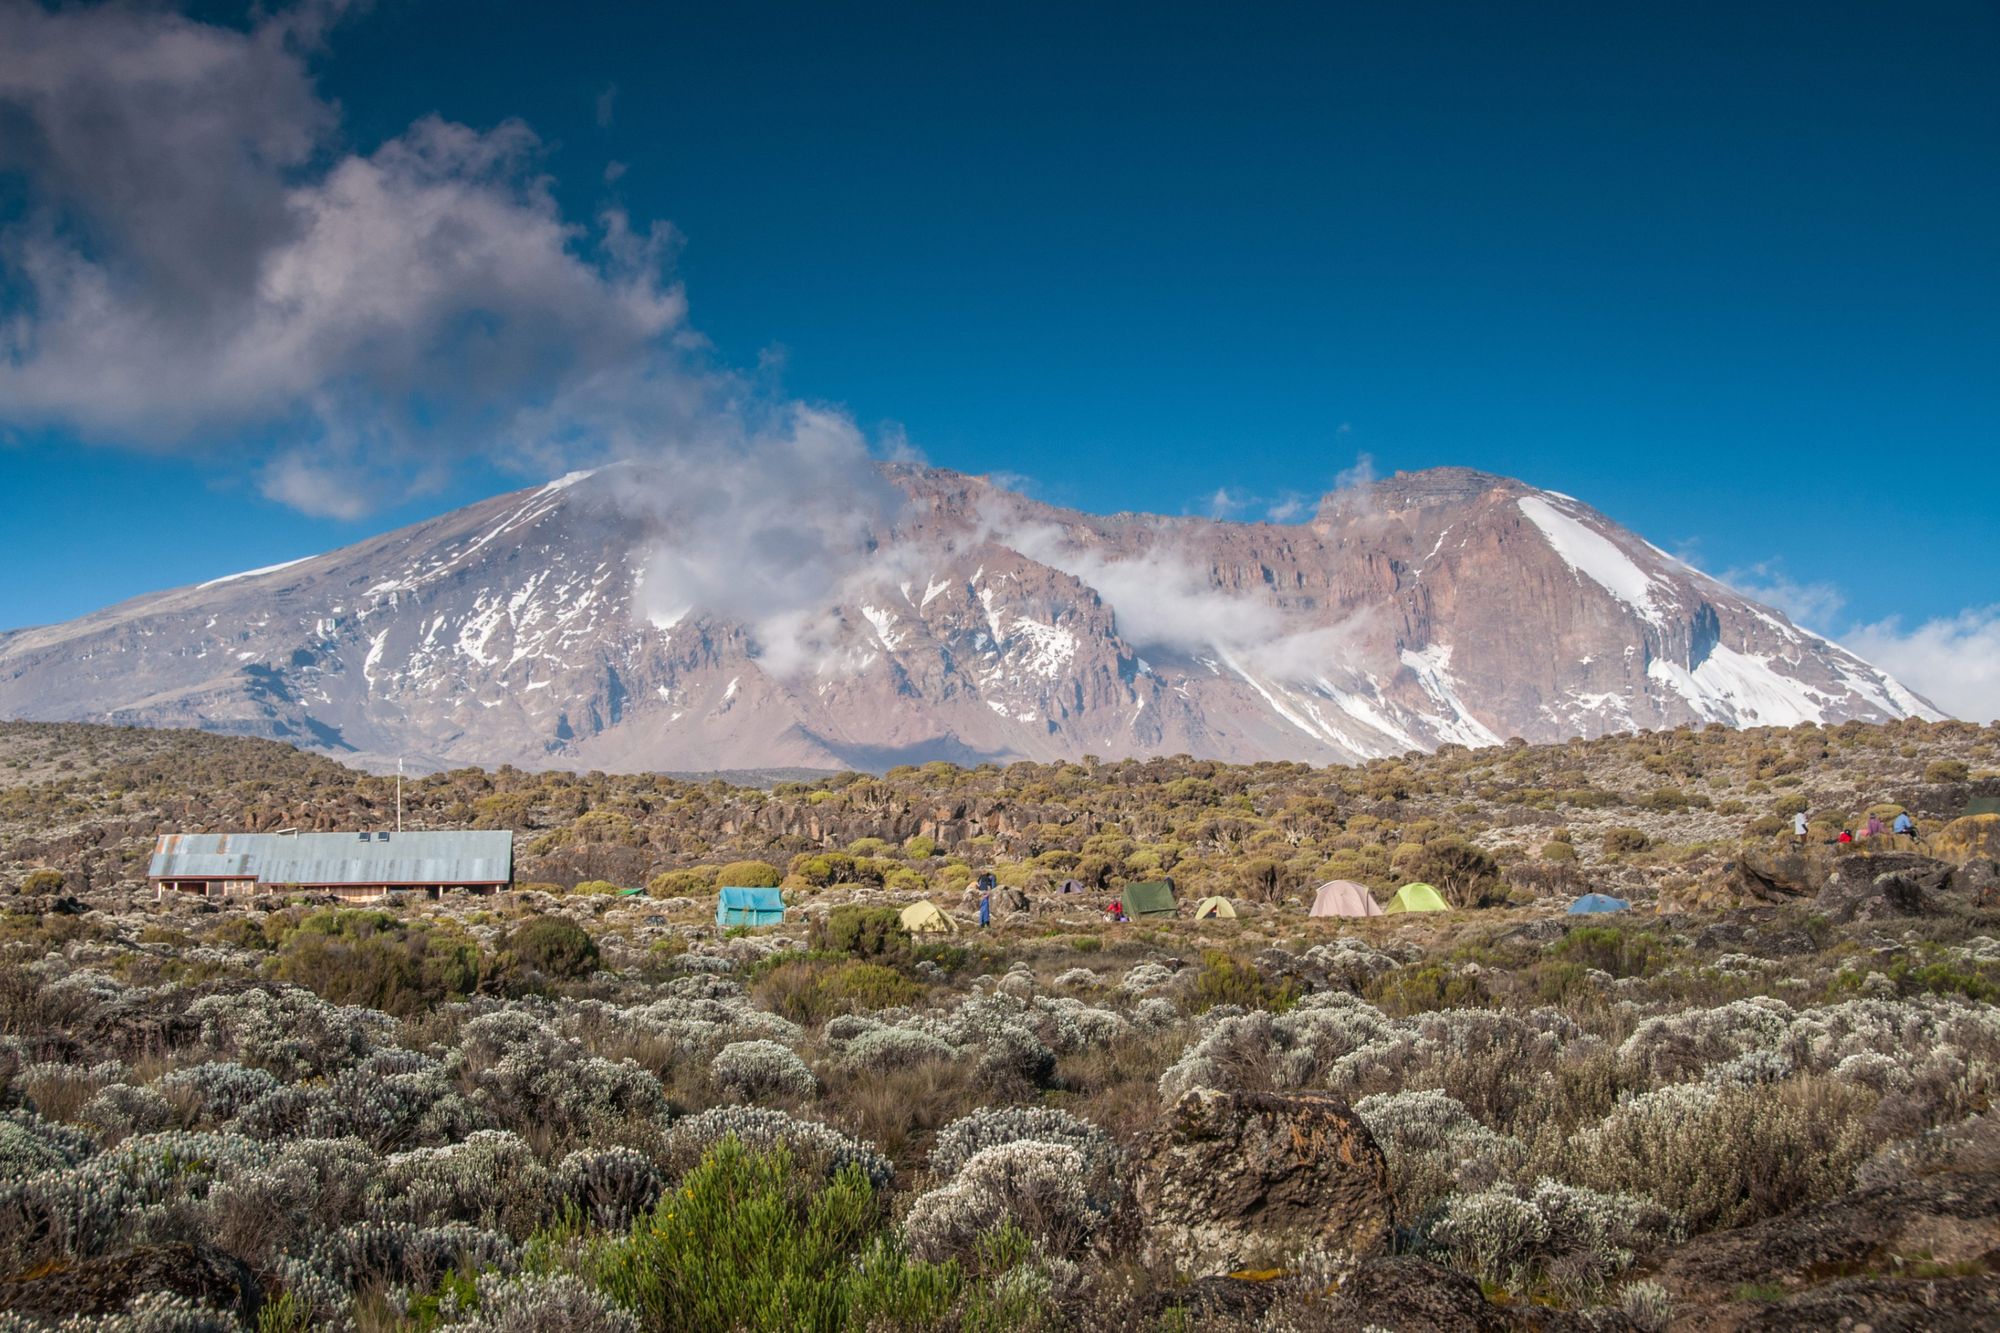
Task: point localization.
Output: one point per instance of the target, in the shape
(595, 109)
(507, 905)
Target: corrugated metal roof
(484, 857)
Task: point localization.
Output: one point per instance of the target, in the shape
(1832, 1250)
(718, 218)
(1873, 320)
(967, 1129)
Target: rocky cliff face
(965, 623)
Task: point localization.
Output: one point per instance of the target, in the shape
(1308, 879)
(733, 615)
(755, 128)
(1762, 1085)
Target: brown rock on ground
(1235, 1180)
(105, 1285)
(1868, 888)
(1894, 1256)
(1393, 1293)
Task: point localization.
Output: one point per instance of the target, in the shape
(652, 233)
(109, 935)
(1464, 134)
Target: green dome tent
(1153, 898)
(1416, 898)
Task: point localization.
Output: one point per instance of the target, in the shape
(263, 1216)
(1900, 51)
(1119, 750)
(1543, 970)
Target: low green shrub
(865, 932)
(554, 946)
(1226, 979)
(375, 959)
(750, 1243)
(748, 875)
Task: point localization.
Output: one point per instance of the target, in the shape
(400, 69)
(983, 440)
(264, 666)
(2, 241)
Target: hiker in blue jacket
(1905, 825)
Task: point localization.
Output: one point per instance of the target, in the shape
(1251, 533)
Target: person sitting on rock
(1905, 825)
(1845, 837)
(1874, 826)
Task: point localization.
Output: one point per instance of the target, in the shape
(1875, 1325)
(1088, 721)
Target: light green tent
(1155, 898)
(1416, 898)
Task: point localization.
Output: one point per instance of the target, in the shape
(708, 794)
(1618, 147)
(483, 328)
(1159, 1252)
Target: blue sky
(1728, 273)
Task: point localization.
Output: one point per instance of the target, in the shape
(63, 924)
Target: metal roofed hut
(354, 867)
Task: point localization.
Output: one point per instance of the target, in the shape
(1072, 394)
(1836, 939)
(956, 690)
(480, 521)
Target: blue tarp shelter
(1597, 902)
(749, 907)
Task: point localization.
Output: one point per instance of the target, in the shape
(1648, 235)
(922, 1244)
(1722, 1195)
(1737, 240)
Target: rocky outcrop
(106, 1285)
(1870, 888)
(1248, 1180)
(1972, 838)
(1915, 1253)
(1379, 1293)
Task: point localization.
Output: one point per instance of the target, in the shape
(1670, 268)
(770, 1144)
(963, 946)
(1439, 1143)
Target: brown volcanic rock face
(1249, 1180)
(1445, 606)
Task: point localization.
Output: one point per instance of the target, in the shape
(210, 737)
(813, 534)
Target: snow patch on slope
(1594, 556)
(253, 573)
(1433, 668)
(1741, 688)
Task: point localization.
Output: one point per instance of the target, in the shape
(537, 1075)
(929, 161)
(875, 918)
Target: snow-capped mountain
(967, 623)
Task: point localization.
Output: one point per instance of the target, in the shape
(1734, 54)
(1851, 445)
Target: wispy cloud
(1815, 605)
(1954, 661)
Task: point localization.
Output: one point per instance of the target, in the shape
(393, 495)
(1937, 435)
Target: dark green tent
(1983, 805)
(1153, 898)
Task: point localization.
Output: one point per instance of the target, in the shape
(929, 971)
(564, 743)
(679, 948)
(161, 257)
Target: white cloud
(1954, 661)
(199, 262)
(1816, 606)
(772, 535)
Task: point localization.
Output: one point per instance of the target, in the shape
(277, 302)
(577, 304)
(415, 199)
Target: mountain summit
(948, 619)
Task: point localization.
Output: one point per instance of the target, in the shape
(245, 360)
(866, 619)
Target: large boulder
(1869, 888)
(1774, 872)
(1248, 1180)
(1973, 838)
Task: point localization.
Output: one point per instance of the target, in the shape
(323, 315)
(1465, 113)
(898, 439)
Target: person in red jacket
(1117, 910)
(1844, 837)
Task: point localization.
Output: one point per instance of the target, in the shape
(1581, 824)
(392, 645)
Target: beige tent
(923, 917)
(1217, 907)
(1343, 897)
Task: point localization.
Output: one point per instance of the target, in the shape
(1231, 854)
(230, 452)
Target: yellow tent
(1218, 907)
(923, 917)
(1417, 898)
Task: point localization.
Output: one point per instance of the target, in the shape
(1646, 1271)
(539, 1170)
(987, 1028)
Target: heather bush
(808, 1144)
(607, 1187)
(1554, 1239)
(535, 1303)
(289, 1032)
(1036, 1185)
(754, 1070)
(1435, 1148)
(1225, 979)
(1719, 1157)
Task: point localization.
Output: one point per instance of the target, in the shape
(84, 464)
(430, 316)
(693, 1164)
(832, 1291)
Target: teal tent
(749, 907)
(1597, 902)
